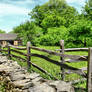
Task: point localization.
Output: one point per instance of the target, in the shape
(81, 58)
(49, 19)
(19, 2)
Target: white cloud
(8, 9)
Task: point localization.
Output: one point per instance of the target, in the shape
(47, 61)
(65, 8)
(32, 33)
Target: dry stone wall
(17, 79)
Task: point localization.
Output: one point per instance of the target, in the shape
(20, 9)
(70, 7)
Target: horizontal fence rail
(19, 52)
(62, 63)
(3, 50)
(73, 49)
(12, 55)
(75, 57)
(16, 47)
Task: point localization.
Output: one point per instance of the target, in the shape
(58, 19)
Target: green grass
(52, 68)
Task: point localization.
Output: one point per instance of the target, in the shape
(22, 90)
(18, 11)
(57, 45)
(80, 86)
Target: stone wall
(17, 79)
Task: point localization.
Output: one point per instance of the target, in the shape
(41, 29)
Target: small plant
(2, 87)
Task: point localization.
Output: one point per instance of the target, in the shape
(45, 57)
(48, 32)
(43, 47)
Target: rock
(15, 65)
(32, 76)
(42, 88)
(17, 76)
(62, 86)
(17, 90)
(5, 69)
(22, 83)
(26, 90)
(37, 79)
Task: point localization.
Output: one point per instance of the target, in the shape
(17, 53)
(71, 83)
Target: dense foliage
(29, 31)
(80, 34)
(56, 20)
(88, 10)
(53, 36)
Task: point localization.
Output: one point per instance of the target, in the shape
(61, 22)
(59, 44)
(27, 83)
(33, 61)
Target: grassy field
(53, 69)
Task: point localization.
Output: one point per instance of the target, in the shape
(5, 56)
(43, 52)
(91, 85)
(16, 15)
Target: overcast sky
(15, 12)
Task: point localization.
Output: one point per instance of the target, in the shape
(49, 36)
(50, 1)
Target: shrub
(53, 36)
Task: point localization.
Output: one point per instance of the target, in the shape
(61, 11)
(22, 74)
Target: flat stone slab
(42, 88)
(33, 75)
(62, 86)
(22, 83)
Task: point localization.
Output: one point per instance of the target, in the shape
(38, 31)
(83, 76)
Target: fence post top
(28, 44)
(90, 47)
(61, 42)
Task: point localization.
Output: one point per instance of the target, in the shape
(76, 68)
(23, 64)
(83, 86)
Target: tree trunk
(85, 44)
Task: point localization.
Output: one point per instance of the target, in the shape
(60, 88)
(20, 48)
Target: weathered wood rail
(62, 64)
(74, 49)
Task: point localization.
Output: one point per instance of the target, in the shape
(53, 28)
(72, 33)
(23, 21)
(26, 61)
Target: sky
(15, 12)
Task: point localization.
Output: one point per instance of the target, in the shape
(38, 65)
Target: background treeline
(56, 20)
(1, 31)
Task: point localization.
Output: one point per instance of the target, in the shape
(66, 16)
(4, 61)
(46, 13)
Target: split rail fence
(61, 64)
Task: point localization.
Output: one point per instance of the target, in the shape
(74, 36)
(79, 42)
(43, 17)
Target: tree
(53, 21)
(88, 10)
(54, 13)
(28, 32)
(80, 33)
(1, 31)
(53, 36)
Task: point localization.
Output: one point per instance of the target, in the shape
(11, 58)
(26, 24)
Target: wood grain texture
(73, 49)
(89, 78)
(16, 47)
(28, 54)
(62, 59)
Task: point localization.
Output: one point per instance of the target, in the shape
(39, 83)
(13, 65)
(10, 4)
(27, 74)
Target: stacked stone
(17, 79)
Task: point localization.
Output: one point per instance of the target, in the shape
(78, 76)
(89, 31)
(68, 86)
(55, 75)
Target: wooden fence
(62, 64)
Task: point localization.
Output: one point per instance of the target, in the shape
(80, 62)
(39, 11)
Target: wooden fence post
(62, 58)
(9, 53)
(89, 78)
(28, 54)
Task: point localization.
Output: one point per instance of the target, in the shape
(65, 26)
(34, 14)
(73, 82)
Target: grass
(2, 87)
(53, 69)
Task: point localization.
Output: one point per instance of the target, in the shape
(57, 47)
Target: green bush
(53, 36)
(28, 31)
(80, 33)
